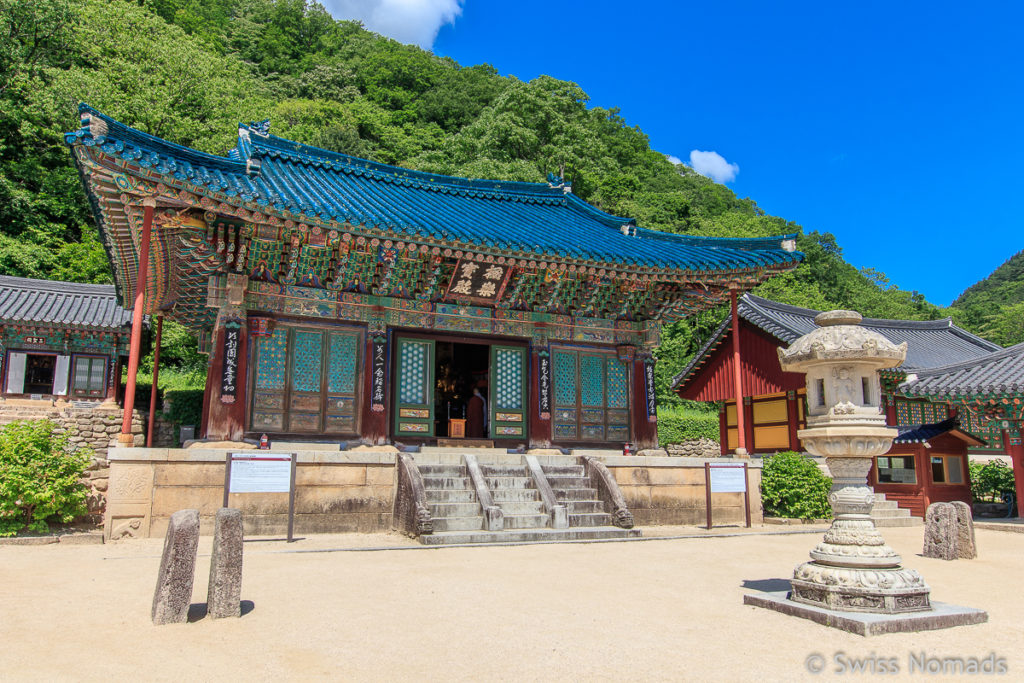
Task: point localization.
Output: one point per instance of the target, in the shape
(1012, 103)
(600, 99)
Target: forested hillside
(994, 307)
(189, 70)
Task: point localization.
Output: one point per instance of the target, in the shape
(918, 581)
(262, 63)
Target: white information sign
(728, 479)
(261, 472)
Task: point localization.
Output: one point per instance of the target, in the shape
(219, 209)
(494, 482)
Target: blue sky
(895, 126)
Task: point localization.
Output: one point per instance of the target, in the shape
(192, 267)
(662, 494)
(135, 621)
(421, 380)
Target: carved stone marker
(966, 547)
(177, 569)
(940, 532)
(224, 596)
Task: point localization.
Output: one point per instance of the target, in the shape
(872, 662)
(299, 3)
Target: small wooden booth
(926, 464)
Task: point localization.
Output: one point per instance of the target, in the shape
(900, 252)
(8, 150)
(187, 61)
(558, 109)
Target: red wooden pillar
(539, 421)
(376, 389)
(645, 427)
(154, 390)
(737, 377)
(890, 411)
(1015, 450)
(793, 420)
(135, 347)
(224, 412)
(748, 422)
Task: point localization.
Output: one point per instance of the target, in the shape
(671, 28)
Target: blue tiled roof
(536, 218)
(924, 433)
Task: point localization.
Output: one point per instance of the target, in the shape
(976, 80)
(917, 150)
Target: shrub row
(676, 425)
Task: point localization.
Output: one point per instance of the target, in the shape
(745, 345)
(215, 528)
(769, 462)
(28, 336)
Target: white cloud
(714, 166)
(407, 21)
(673, 159)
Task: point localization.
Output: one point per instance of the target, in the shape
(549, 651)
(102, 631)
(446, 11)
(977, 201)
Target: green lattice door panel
(508, 392)
(591, 396)
(342, 371)
(305, 381)
(305, 405)
(269, 382)
(414, 400)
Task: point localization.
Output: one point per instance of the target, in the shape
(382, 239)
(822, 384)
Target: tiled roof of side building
(930, 343)
(998, 373)
(541, 218)
(23, 300)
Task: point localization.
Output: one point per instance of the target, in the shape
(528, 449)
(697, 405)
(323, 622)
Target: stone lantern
(852, 569)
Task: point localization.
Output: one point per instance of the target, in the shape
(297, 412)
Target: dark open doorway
(39, 370)
(461, 368)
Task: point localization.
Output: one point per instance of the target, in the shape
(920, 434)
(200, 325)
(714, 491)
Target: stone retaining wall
(695, 448)
(354, 492)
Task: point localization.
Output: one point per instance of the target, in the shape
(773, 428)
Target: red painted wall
(759, 368)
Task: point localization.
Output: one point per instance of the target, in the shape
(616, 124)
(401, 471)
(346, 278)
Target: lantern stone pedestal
(853, 581)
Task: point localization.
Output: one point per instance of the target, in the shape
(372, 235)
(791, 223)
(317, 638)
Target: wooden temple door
(414, 391)
(508, 392)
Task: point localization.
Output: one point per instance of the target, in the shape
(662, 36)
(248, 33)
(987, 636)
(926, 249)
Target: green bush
(793, 486)
(40, 477)
(186, 406)
(990, 481)
(680, 424)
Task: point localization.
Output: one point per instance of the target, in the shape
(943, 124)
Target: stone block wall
(334, 492)
(660, 493)
(695, 448)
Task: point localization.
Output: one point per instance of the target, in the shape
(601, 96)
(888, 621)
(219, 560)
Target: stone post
(177, 569)
(852, 569)
(224, 593)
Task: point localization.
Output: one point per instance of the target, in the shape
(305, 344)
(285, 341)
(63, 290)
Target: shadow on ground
(767, 585)
(198, 610)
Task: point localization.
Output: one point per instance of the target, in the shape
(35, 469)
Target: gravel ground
(667, 609)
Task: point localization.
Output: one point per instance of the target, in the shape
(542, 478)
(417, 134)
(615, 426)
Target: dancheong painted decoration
(377, 303)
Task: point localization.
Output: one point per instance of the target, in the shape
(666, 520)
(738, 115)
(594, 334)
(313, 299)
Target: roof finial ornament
(260, 127)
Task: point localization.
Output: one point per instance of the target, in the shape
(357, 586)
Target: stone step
(529, 507)
(564, 470)
(451, 496)
(458, 523)
(582, 506)
(590, 519)
(575, 494)
(504, 471)
(446, 483)
(884, 505)
(502, 496)
(882, 514)
(898, 521)
(496, 483)
(443, 470)
(528, 536)
(538, 521)
(567, 482)
(454, 509)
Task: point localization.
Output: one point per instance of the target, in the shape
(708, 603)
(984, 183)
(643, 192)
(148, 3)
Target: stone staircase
(458, 518)
(889, 513)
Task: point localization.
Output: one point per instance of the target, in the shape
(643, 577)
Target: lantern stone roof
(66, 304)
(930, 343)
(541, 219)
(996, 374)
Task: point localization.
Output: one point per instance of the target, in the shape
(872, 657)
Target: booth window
(947, 469)
(90, 376)
(896, 469)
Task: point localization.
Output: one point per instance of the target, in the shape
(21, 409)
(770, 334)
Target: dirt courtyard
(649, 610)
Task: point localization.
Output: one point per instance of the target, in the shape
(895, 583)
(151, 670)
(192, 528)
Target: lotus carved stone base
(887, 591)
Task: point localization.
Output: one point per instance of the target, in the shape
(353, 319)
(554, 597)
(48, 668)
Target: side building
(60, 341)
(928, 462)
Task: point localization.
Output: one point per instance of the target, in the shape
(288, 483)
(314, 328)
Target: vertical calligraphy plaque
(229, 372)
(652, 402)
(544, 384)
(378, 373)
